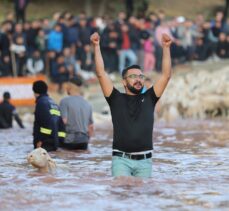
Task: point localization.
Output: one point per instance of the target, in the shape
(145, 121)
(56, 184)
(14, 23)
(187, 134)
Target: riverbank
(198, 90)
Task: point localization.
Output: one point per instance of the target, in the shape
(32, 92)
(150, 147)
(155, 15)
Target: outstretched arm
(104, 80)
(161, 84)
(90, 130)
(18, 119)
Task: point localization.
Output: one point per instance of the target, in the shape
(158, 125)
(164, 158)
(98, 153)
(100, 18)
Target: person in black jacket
(48, 127)
(7, 112)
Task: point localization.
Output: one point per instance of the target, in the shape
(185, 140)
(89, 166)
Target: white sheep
(198, 94)
(40, 159)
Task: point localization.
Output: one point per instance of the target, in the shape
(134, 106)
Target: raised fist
(95, 38)
(166, 40)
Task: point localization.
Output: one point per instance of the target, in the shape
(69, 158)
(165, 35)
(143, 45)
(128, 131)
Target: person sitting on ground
(35, 64)
(7, 112)
(76, 113)
(5, 66)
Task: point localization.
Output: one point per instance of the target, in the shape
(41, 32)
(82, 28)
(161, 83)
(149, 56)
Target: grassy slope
(44, 8)
(187, 8)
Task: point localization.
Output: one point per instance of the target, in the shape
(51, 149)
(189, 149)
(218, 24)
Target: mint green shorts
(127, 167)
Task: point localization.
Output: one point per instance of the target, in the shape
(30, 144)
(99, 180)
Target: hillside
(43, 8)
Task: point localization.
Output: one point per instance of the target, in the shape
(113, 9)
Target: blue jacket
(55, 41)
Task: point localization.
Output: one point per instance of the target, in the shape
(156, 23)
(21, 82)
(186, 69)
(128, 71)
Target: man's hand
(166, 40)
(95, 38)
(39, 144)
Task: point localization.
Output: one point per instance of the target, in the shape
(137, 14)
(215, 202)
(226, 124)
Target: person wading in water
(132, 112)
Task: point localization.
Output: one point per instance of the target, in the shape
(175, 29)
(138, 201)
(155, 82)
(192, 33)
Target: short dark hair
(134, 66)
(6, 96)
(77, 80)
(40, 87)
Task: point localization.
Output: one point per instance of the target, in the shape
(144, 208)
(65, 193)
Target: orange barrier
(20, 89)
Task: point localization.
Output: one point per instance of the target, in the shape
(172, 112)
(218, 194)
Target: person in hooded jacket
(48, 126)
(8, 112)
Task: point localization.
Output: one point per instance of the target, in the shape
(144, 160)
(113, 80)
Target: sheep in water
(40, 159)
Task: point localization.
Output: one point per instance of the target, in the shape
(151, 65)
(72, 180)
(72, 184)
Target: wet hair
(40, 87)
(125, 70)
(6, 95)
(78, 81)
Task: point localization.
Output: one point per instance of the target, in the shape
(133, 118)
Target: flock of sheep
(197, 94)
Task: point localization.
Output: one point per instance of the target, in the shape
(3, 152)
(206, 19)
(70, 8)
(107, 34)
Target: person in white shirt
(35, 64)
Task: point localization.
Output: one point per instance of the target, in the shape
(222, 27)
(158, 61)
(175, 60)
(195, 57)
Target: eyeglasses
(134, 76)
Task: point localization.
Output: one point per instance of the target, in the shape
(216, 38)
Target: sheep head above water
(40, 159)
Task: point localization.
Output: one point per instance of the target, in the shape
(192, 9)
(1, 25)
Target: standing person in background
(47, 130)
(125, 51)
(77, 117)
(7, 112)
(85, 55)
(18, 54)
(20, 9)
(55, 40)
(149, 58)
(133, 112)
(5, 39)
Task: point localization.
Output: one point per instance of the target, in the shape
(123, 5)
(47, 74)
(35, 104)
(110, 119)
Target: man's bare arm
(161, 84)
(64, 120)
(104, 80)
(90, 130)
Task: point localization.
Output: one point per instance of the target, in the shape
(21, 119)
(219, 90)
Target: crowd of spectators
(60, 47)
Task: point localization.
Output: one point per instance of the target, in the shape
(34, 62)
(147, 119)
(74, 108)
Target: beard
(133, 89)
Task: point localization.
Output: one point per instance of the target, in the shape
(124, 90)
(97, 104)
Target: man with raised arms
(132, 112)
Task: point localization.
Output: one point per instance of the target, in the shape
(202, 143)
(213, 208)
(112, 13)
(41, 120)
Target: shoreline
(94, 94)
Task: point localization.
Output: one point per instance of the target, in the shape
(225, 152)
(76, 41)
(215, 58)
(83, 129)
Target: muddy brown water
(190, 172)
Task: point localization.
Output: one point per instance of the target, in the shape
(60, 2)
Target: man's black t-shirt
(132, 117)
